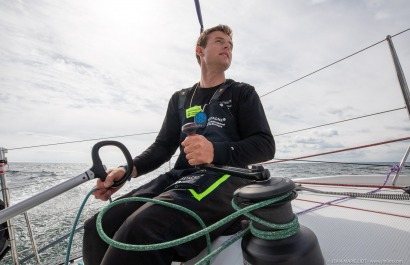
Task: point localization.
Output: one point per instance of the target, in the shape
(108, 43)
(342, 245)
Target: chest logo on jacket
(218, 122)
(227, 103)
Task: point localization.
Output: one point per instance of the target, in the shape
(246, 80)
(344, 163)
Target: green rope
(224, 246)
(282, 230)
(163, 245)
(286, 230)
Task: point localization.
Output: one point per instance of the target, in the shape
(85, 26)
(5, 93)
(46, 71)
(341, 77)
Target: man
(234, 132)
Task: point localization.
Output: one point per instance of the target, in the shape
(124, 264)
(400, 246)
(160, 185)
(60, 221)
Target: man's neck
(211, 79)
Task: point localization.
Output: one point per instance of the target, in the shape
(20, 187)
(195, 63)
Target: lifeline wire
(80, 141)
(327, 66)
(345, 120)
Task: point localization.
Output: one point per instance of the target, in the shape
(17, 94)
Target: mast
(400, 74)
(406, 96)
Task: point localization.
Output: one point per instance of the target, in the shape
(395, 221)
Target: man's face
(218, 51)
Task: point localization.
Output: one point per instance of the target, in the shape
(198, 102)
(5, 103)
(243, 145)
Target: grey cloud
(80, 66)
(327, 133)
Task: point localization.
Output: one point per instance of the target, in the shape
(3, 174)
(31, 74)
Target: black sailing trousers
(147, 223)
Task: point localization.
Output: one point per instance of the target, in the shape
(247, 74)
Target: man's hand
(104, 191)
(198, 150)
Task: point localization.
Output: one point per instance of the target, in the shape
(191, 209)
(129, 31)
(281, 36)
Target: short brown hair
(203, 38)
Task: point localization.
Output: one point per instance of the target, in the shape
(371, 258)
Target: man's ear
(199, 51)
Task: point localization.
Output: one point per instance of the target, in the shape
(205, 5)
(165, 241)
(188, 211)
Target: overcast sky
(79, 70)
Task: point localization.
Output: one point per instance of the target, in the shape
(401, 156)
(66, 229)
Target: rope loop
(277, 234)
(280, 231)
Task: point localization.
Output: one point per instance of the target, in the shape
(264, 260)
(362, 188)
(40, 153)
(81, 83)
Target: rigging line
(364, 116)
(327, 66)
(338, 151)
(334, 162)
(80, 141)
(349, 185)
(355, 208)
(280, 134)
(400, 32)
(367, 195)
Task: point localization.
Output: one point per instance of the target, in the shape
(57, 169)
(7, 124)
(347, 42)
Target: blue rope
(198, 12)
(73, 229)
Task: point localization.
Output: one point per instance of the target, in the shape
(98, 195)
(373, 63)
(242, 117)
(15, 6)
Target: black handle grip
(98, 168)
(257, 173)
(191, 127)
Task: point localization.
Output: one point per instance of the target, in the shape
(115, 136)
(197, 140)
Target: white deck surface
(367, 233)
(357, 235)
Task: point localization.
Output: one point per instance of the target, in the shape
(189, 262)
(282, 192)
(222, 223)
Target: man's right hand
(105, 191)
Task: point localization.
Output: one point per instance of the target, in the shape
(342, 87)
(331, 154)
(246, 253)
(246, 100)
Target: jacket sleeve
(165, 144)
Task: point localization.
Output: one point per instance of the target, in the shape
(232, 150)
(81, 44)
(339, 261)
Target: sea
(52, 221)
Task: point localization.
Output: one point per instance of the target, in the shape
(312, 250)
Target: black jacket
(255, 143)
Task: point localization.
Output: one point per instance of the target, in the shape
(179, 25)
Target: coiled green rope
(284, 230)
(281, 230)
(163, 245)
